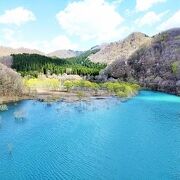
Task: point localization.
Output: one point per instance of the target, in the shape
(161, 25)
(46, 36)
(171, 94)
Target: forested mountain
(156, 65)
(32, 64)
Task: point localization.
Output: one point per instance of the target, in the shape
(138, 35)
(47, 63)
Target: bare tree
(10, 82)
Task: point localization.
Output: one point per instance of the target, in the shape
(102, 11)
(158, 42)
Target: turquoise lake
(97, 140)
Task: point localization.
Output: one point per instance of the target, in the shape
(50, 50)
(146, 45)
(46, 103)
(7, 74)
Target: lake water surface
(102, 139)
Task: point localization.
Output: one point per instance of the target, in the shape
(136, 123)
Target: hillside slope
(64, 53)
(155, 65)
(10, 82)
(120, 49)
(6, 60)
(7, 51)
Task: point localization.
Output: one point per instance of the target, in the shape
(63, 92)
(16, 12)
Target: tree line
(33, 64)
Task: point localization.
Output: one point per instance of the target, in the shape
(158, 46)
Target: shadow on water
(20, 121)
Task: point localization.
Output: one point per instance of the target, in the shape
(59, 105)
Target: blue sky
(50, 25)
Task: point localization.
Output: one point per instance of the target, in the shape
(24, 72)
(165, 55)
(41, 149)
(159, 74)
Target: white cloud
(59, 42)
(17, 16)
(173, 21)
(89, 20)
(149, 18)
(8, 34)
(143, 5)
(12, 39)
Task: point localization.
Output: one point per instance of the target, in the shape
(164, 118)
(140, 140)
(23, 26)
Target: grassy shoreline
(49, 90)
(52, 96)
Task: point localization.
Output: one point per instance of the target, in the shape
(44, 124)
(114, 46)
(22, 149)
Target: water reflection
(95, 139)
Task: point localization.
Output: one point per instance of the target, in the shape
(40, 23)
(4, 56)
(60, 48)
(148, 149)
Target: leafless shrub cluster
(10, 82)
(20, 115)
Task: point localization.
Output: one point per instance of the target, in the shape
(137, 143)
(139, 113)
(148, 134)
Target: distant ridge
(65, 53)
(115, 50)
(6, 51)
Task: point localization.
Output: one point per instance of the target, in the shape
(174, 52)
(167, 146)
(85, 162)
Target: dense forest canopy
(32, 64)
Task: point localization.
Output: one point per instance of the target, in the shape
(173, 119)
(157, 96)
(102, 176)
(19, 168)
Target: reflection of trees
(48, 104)
(10, 148)
(20, 114)
(93, 105)
(81, 107)
(34, 103)
(63, 110)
